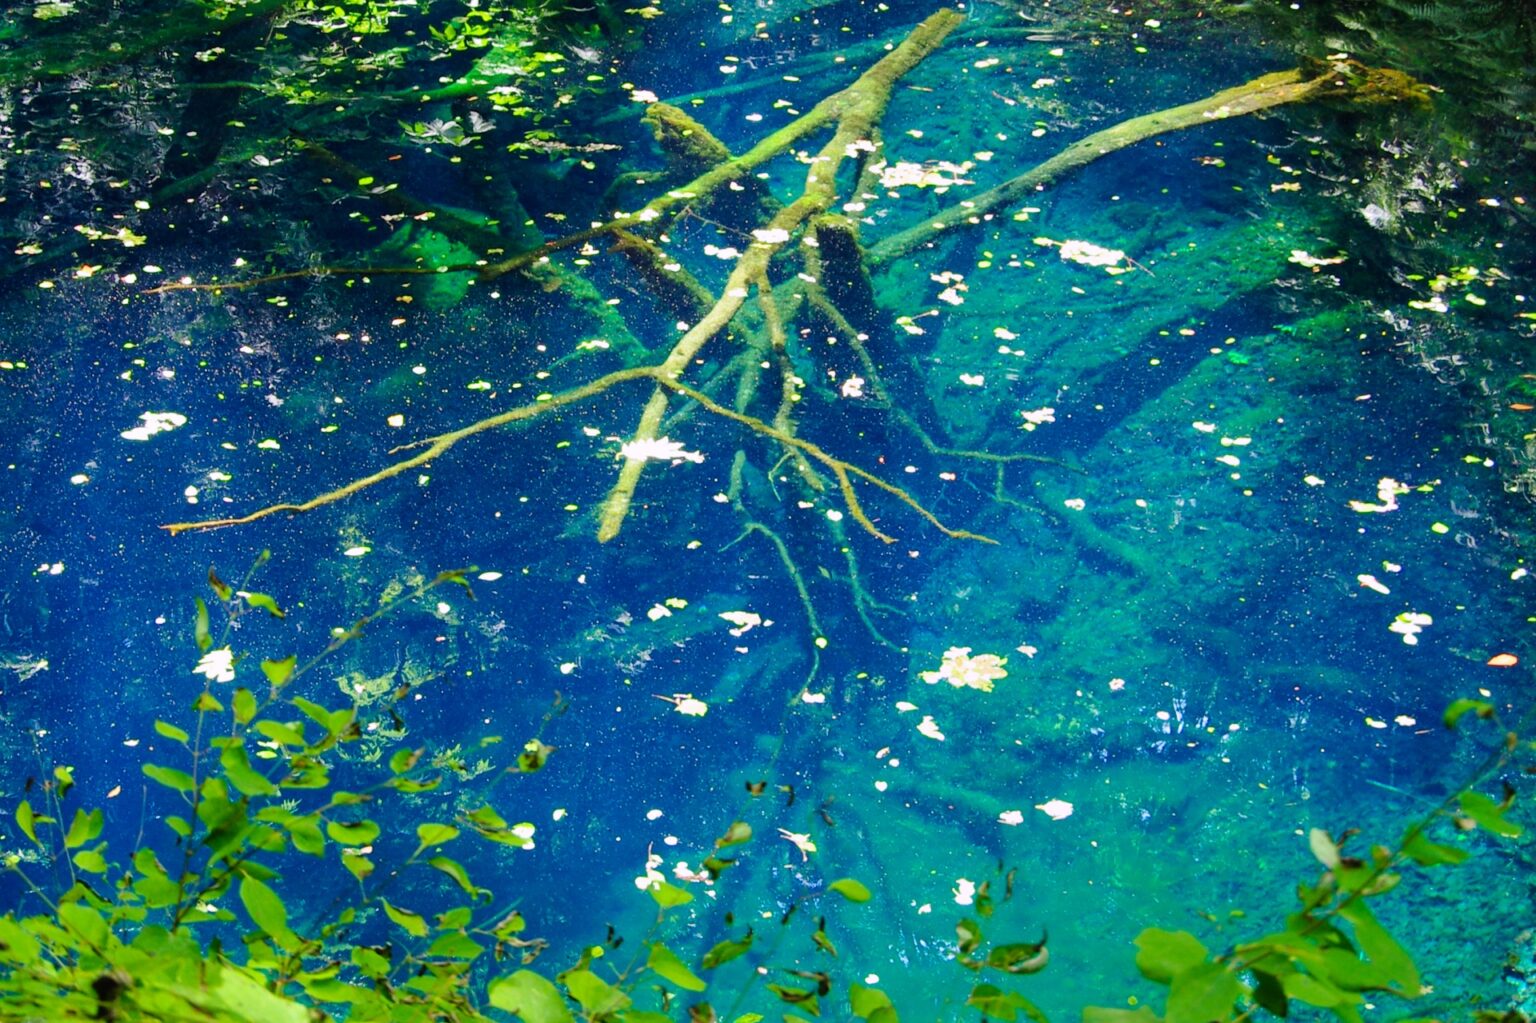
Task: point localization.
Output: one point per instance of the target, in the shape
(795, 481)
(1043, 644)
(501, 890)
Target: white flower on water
(658, 449)
(1086, 253)
(1055, 809)
(151, 423)
(218, 665)
(799, 841)
(1387, 491)
(963, 671)
(1037, 417)
(1409, 624)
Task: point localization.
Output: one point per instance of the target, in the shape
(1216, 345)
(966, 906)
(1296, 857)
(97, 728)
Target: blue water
(1194, 662)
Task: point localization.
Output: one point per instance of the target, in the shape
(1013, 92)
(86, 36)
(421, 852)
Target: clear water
(1197, 624)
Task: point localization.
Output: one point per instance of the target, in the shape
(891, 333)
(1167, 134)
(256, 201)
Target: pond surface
(1098, 544)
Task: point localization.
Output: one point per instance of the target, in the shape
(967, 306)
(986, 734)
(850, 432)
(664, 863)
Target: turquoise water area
(1203, 470)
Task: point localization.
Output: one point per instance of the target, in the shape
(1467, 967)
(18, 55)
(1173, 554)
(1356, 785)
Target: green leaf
(1024, 957)
(1269, 993)
(281, 732)
(534, 756)
(221, 589)
(1382, 949)
(530, 997)
(1489, 815)
(596, 996)
(669, 895)
(456, 870)
(268, 912)
(264, 602)
(358, 833)
(1103, 1014)
(1323, 848)
(244, 706)
(1308, 989)
(90, 861)
(866, 1001)
(737, 833)
(665, 964)
(279, 672)
(412, 922)
(245, 778)
(1164, 954)
(26, 820)
(804, 998)
(200, 628)
(85, 923)
(206, 702)
(1202, 993)
(430, 835)
(405, 759)
(170, 731)
(84, 828)
(850, 889)
(171, 778)
(725, 951)
(455, 945)
(1003, 1005)
(1460, 708)
(1431, 854)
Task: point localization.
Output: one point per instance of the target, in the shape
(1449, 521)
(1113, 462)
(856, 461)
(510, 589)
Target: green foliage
(259, 805)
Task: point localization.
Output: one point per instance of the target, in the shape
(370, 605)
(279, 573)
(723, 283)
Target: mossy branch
(434, 447)
(855, 110)
(1340, 80)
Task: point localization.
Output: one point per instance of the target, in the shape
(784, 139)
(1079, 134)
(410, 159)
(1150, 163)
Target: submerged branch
(856, 110)
(1346, 80)
(434, 447)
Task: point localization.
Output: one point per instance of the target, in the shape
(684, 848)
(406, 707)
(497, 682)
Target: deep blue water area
(1248, 530)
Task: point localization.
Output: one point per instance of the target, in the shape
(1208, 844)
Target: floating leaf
(1323, 848)
(1102, 1014)
(430, 835)
(1384, 951)
(181, 781)
(1489, 815)
(669, 895)
(666, 965)
(595, 995)
(221, 589)
(1460, 708)
(237, 768)
(90, 861)
(200, 627)
(1163, 954)
(871, 1004)
(737, 833)
(413, 923)
(1430, 854)
(456, 870)
(26, 820)
(279, 672)
(244, 706)
(358, 833)
(84, 828)
(530, 997)
(171, 732)
(535, 754)
(725, 951)
(850, 889)
(1003, 1005)
(267, 912)
(264, 602)
(1202, 993)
